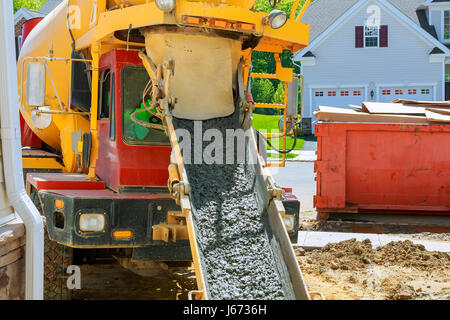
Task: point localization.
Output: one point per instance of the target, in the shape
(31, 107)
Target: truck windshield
(134, 79)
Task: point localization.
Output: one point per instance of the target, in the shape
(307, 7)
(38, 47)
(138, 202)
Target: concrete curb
(302, 156)
(316, 240)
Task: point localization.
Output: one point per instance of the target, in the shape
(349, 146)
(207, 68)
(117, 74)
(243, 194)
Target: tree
(263, 90)
(278, 97)
(284, 5)
(28, 4)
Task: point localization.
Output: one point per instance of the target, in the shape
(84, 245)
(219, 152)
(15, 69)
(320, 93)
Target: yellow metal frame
(41, 163)
(284, 75)
(288, 36)
(273, 40)
(64, 106)
(95, 52)
(302, 12)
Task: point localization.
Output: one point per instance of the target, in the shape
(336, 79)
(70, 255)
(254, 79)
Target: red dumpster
(383, 168)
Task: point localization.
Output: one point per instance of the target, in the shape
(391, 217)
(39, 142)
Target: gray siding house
(374, 50)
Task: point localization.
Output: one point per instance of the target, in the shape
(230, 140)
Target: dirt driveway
(353, 270)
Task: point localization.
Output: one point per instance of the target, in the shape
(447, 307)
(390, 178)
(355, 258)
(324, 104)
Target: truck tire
(56, 260)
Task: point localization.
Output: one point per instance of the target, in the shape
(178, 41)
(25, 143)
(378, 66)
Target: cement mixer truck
(127, 96)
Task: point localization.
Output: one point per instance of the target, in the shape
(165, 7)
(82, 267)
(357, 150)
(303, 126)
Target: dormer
(439, 16)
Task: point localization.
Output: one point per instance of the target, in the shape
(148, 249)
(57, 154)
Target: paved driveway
(300, 177)
(310, 144)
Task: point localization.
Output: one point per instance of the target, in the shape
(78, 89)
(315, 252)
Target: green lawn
(265, 122)
(279, 155)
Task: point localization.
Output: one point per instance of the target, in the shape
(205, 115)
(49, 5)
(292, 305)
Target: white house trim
(338, 86)
(312, 87)
(309, 62)
(443, 80)
(415, 27)
(442, 25)
(408, 84)
(437, 58)
(331, 29)
(308, 59)
(310, 112)
(20, 14)
(391, 9)
(429, 3)
(25, 13)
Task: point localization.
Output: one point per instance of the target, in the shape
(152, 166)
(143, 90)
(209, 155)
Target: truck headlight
(277, 19)
(92, 222)
(165, 5)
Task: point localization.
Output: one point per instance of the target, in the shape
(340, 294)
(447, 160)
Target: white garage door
(388, 94)
(337, 97)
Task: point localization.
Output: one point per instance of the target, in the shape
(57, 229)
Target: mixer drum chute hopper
(205, 71)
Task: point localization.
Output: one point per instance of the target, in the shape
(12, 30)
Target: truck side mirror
(35, 95)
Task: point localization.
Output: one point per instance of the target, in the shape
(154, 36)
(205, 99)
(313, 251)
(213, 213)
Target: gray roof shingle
(321, 14)
(33, 14)
(49, 5)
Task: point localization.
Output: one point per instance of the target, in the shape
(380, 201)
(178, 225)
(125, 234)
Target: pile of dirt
(355, 270)
(353, 254)
(408, 254)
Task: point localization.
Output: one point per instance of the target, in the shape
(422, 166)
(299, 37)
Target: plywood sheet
(442, 104)
(345, 115)
(357, 108)
(437, 117)
(439, 110)
(392, 108)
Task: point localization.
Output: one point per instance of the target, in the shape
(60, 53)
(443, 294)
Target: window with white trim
(371, 37)
(446, 34)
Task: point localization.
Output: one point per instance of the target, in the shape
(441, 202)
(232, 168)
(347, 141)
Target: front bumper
(137, 215)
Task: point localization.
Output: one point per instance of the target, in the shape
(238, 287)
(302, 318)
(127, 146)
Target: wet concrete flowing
(234, 239)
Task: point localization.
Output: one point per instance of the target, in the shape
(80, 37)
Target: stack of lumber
(398, 111)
